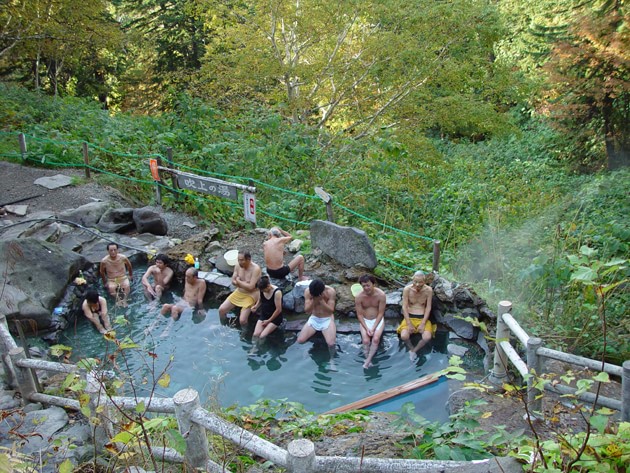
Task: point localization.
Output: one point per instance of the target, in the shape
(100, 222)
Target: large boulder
(35, 279)
(347, 245)
(149, 221)
(117, 221)
(294, 300)
(87, 215)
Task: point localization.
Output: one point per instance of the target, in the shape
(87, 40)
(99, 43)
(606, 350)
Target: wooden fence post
(186, 402)
(301, 456)
(499, 367)
(22, 142)
(24, 377)
(169, 164)
(6, 345)
(625, 392)
(436, 255)
(534, 366)
(86, 160)
(158, 189)
(104, 430)
(327, 198)
(18, 326)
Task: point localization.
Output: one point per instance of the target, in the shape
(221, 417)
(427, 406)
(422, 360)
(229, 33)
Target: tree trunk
(616, 129)
(36, 70)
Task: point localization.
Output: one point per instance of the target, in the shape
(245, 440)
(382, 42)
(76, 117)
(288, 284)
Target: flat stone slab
(454, 349)
(19, 210)
(216, 278)
(54, 182)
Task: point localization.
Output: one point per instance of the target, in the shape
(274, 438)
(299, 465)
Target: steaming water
(215, 360)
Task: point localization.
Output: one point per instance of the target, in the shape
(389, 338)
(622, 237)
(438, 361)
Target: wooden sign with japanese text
(208, 186)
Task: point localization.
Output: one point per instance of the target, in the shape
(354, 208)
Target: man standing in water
(370, 307)
(416, 309)
(273, 249)
(114, 268)
(319, 301)
(194, 292)
(245, 278)
(162, 276)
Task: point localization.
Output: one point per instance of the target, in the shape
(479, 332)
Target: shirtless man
(416, 308)
(114, 268)
(95, 310)
(194, 292)
(245, 278)
(319, 301)
(162, 276)
(370, 307)
(273, 249)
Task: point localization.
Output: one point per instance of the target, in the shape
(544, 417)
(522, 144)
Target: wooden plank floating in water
(387, 394)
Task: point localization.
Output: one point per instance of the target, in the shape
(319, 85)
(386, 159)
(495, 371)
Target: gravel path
(17, 182)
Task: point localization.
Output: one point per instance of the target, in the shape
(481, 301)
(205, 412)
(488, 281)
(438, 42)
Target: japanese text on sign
(209, 187)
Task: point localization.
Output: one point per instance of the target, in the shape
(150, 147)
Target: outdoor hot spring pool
(215, 360)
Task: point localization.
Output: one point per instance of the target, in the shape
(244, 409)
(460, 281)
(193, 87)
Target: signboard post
(327, 198)
(249, 203)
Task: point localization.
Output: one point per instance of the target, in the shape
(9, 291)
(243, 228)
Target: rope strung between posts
(198, 197)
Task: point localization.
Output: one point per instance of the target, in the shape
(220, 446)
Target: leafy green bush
(458, 439)
(267, 417)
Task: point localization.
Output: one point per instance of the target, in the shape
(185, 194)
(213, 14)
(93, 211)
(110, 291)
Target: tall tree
(589, 89)
(52, 43)
(353, 66)
(168, 45)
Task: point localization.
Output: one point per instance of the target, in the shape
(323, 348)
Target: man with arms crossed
(370, 307)
(245, 278)
(113, 269)
(162, 276)
(416, 308)
(194, 292)
(273, 249)
(319, 301)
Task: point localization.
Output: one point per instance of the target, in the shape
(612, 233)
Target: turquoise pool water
(215, 360)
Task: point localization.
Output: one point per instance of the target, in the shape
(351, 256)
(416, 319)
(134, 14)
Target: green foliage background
(508, 211)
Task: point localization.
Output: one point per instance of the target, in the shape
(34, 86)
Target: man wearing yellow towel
(245, 277)
(416, 309)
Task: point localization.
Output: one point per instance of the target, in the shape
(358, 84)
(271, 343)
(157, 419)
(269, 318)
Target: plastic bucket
(231, 257)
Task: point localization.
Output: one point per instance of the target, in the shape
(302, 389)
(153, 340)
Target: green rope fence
(36, 158)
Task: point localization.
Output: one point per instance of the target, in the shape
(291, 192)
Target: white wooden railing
(194, 422)
(533, 365)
